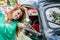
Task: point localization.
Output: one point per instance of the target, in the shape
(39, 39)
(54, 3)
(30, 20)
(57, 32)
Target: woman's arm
(20, 27)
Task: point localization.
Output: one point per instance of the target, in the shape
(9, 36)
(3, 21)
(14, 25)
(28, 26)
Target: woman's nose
(17, 16)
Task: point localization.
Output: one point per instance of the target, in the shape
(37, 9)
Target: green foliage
(56, 17)
(11, 2)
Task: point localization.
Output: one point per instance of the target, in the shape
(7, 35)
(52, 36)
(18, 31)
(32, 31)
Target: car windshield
(53, 16)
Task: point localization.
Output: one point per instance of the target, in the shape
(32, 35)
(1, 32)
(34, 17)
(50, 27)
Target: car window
(53, 16)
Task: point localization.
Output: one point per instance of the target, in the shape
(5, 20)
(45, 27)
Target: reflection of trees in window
(53, 15)
(56, 17)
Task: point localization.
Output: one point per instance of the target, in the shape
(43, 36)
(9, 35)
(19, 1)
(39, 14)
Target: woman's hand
(21, 25)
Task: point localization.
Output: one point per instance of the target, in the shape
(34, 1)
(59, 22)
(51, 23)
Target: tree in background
(11, 2)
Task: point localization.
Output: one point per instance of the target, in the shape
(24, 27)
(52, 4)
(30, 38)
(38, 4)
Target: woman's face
(16, 14)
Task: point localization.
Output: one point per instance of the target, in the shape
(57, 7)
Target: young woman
(10, 22)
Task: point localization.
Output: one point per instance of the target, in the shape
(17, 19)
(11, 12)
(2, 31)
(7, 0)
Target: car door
(49, 13)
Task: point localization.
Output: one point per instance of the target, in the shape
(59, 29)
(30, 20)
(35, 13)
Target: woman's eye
(18, 13)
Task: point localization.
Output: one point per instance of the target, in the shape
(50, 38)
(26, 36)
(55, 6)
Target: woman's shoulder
(15, 22)
(1, 13)
(2, 17)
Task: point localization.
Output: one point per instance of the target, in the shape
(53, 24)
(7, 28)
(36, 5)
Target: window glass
(53, 16)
